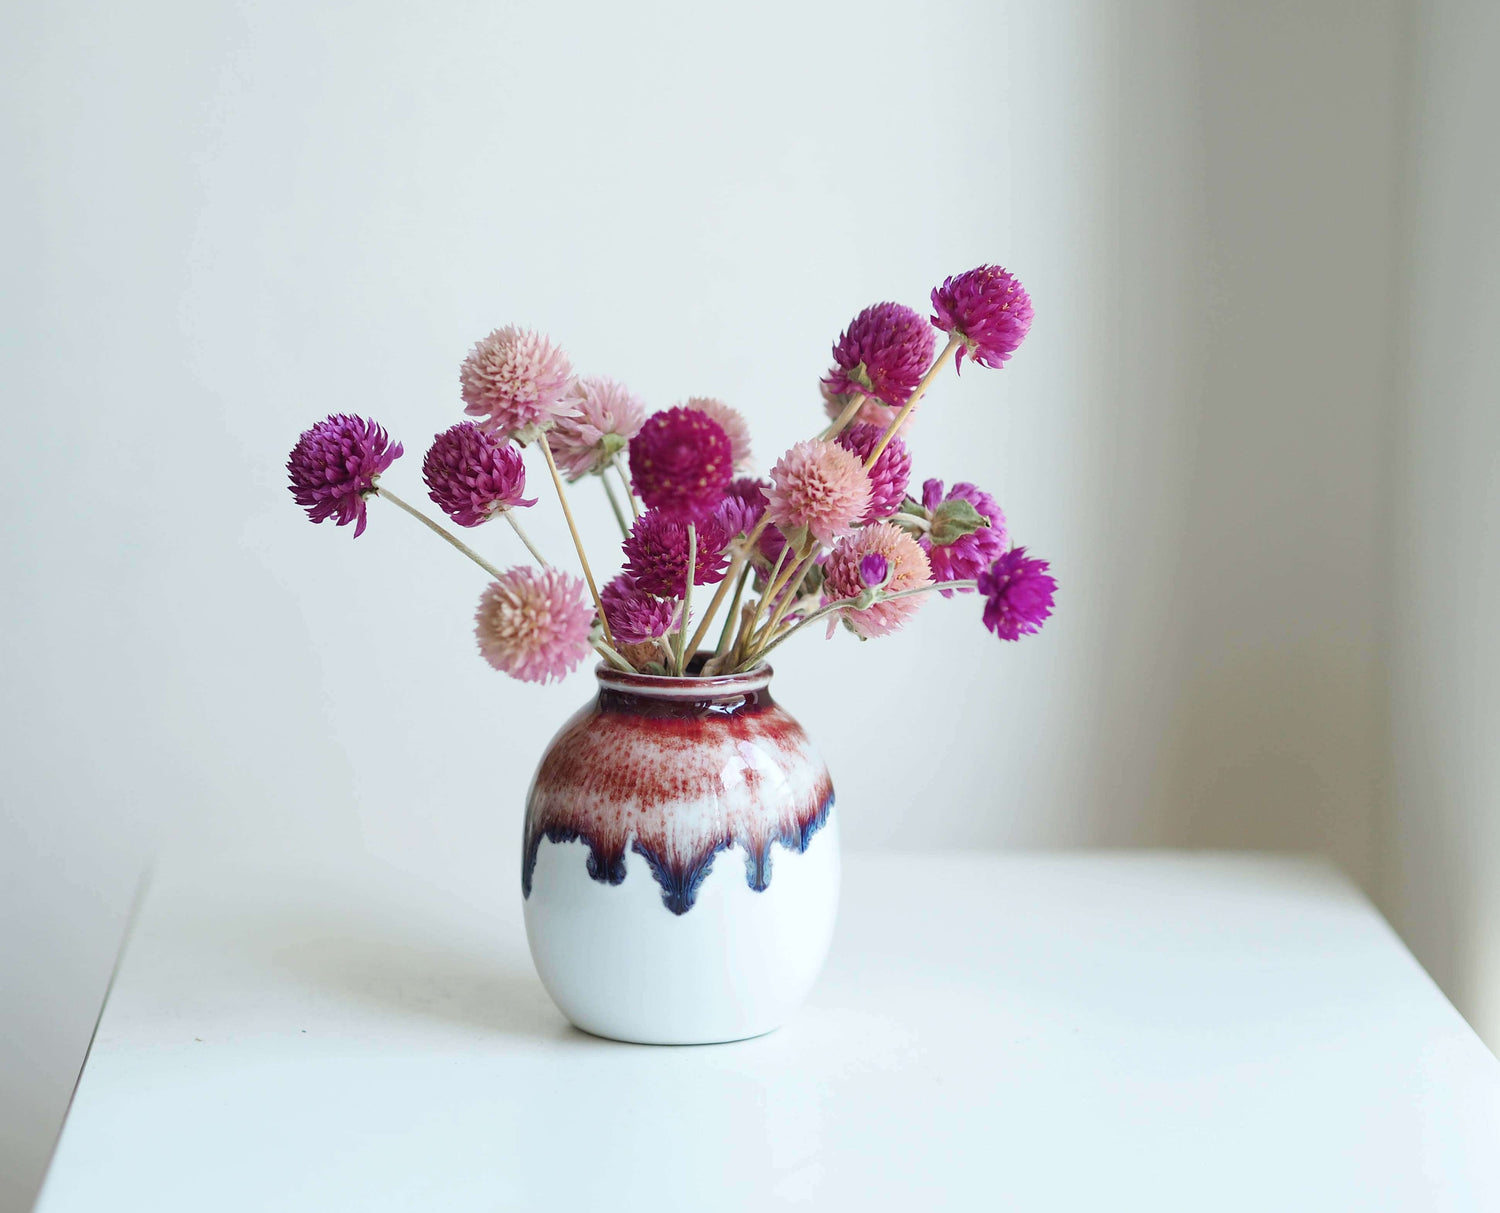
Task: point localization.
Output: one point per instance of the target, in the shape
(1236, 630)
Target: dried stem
(856, 402)
(588, 573)
(439, 529)
(510, 517)
(921, 390)
(614, 504)
(635, 509)
(687, 599)
(734, 571)
(733, 612)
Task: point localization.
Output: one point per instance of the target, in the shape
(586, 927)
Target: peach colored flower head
(906, 568)
(818, 489)
(731, 421)
(533, 623)
(606, 417)
(515, 381)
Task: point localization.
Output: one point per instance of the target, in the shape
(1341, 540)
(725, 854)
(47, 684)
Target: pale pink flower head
(732, 422)
(533, 624)
(516, 381)
(847, 571)
(606, 417)
(889, 476)
(871, 411)
(818, 489)
(988, 309)
(884, 353)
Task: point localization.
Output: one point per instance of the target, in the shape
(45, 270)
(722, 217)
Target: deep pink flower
(634, 615)
(818, 489)
(731, 421)
(988, 309)
(533, 624)
(334, 465)
(680, 462)
(964, 556)
(889, 476)
(884, 353)
(1018, 594)
(744, 503)
(656, 554)
(605, 418)
(473, 475)
(874, 570)
(516, 382)
(843, 577)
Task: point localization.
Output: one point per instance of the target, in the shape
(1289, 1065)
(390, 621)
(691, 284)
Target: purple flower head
(656, 554)
(874, 570)
(744, 503)
(634, 615)
(883, 353)
(988, 309)
(680, 462)
(889, 476)
(473, 475)
(1018, 593)
(334, 465)
(960, 557)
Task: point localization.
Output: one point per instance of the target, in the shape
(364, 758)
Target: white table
(1093, 1032)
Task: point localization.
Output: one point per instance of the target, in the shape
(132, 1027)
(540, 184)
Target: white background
(1254, 427)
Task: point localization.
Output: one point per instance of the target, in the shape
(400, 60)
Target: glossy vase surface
(680, 863)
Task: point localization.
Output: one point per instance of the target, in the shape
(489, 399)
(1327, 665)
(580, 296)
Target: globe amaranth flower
(533, 624)
(987, 309)
(656, 554)
(818, 489)
(844, 577)
(732, 422)
(516, 382)
(871, 412)
(334, 465)
(605, 418)
(744, 503)
(1018, 593)
(958, 555)
(883, 353)
(634, 615)
(473, 475)
(889, 476)
(680, 462)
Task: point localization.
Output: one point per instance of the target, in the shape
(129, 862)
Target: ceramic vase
(680, 862)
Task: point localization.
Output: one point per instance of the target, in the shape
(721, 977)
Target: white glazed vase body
(680, 862)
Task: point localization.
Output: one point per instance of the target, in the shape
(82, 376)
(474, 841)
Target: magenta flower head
(516, 381)
(1018, 593)
(744, 503)
(855, 556)
(680, 463)
(874, 570)
(656, 554)
(883, 353)
(987, 309)
(634, 615)
(889, 476)
(818, 489)
(473, 475)
(967, 531)
(334, 465)
(732, 422)
(533, 624)
(606, 417)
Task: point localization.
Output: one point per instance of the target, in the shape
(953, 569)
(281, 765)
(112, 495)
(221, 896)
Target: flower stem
(789, 596)
(734, 571)
(844, 603)
(635, 509)
(438, 529)
(588, 573)
(921, 390)
(734, 610)
(610, 655)
(856, 402)
(687, 598)
(767, 593)
(614, 504)
(510, 517)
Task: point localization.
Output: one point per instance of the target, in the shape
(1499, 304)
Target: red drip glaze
(678, 769)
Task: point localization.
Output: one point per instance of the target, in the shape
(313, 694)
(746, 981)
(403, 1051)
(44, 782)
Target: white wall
(225, 220)
(1442, 839)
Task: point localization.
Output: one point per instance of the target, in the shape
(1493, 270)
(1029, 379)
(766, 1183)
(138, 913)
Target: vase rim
(659, 686)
